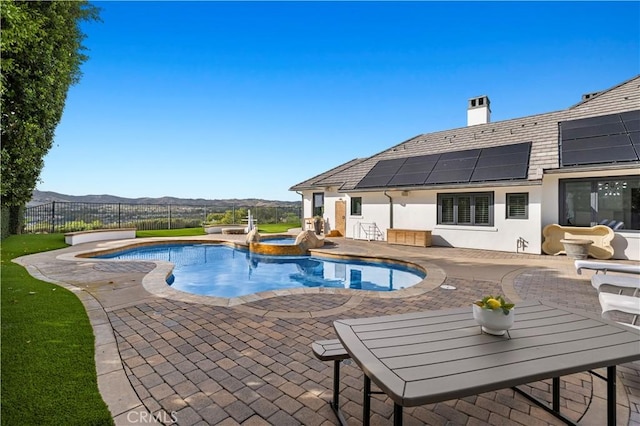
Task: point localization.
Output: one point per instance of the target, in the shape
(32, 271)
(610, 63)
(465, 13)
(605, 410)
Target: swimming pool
(222, 271)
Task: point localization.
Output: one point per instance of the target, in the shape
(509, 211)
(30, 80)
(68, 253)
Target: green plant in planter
(494, 303)
(317, 224)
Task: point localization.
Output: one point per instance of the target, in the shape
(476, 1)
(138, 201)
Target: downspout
(390, 208)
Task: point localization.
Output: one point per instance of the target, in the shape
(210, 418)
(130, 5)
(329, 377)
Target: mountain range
(42, 197)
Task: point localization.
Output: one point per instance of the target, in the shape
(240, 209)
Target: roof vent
(587, 96)
(478, 111)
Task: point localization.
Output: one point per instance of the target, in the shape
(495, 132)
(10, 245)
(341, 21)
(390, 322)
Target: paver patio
(190, 362)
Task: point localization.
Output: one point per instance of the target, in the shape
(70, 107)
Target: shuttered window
(474, 209)
(481, 212)
(446, 209)
(518, 206)
(464, 210)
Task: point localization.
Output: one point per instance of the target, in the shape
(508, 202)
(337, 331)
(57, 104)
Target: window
(607, 201)
(518, 206)
(474, 209)
(318, 203)
(356, 206)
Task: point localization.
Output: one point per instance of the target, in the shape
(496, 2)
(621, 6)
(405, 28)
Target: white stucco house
(496, 185)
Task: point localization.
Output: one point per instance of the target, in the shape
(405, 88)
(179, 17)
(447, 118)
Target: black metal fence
(71, 216)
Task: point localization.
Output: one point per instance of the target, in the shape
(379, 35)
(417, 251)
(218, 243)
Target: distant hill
(42, 197)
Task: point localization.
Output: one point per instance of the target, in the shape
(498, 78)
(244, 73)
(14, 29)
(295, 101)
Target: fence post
(119, 220)
(53, 217)
(169, 221)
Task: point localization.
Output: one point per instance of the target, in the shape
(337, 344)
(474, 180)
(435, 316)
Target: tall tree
(41, 48)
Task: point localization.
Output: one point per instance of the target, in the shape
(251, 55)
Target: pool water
(218, 270)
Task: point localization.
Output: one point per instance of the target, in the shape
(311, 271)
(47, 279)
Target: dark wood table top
(431, 356)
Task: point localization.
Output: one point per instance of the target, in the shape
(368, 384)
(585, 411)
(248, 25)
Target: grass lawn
(272, 228)
(48, 367)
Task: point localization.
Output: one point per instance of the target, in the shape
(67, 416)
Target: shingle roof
(541, 130)
(326, 178)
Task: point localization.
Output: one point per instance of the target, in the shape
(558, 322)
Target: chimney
(478, 111)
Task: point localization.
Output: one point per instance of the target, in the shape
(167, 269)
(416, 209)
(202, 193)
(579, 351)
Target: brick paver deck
(192, 363)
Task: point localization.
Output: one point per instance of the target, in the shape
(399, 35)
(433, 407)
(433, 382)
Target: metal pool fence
(71, 216)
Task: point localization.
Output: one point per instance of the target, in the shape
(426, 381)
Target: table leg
(366, 402)
(611, 395)
(555, 393)
(336, 383)
(397, 414)
(335, 405)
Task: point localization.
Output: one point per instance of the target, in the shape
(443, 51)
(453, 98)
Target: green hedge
(4, 223)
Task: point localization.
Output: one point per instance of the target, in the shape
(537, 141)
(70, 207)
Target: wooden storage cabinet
(409, 237)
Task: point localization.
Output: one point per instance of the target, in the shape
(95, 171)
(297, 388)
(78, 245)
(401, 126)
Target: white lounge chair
(606, 266)
(619, 281)
(621, 303)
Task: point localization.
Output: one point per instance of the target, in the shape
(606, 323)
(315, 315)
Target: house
(496, 185)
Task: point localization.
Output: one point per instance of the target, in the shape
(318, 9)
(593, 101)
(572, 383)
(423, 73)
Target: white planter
(493, 321)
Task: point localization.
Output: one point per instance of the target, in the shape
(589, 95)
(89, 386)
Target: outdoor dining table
(431, 356)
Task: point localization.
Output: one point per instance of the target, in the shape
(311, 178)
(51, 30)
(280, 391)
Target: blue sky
(245, 99)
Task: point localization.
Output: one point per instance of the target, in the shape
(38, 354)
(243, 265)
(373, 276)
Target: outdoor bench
(409, 237)
(332, 350)
(79, 237)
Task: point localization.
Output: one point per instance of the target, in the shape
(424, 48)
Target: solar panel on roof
(506, 162)
(591, 121)
(632, 125)
(456, 164)
(449, 176)
(485, 174)
(373, 182)
(610, 155)
(454, 167)
(630, 115)
(595, 143)
(415, 170)
(381, 173)
(597, 140)
(459, 155)
(409, 179)
(601, 129)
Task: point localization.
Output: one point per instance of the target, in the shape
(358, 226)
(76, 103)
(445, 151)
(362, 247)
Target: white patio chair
(619, 281)
(611, 302)
(606, 266)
